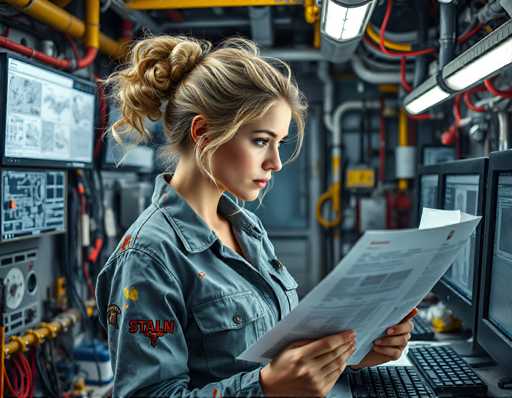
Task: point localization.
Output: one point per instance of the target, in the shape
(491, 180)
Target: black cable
(43, 375)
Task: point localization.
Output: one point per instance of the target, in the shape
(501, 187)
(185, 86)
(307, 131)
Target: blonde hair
(177, 78)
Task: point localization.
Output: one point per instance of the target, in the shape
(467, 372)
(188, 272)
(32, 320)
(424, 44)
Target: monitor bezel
(66, 215)
(31, 162)
(433, 169)
(464, 308)
(489, 337)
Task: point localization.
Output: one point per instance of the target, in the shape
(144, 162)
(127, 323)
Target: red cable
(56, 62)
(9, 385)
(421, 116)
(403, 75)
(382, 32)
(28, 372)
(470, 104)
(470, 33)
(489, 85)
(19, 369)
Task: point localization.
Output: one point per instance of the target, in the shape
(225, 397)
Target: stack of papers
(385, 275)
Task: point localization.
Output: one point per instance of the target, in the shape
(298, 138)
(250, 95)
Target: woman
(195, 280)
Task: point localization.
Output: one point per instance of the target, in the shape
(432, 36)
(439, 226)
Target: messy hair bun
(156, 67)
(229, 86)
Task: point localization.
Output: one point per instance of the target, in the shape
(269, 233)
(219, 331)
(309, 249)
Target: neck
(198, 190)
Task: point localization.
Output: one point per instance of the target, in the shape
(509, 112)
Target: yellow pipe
(57, 18)
(402, 141)
(387, 43)
(43, 332)
(173, 4)
(92, 20)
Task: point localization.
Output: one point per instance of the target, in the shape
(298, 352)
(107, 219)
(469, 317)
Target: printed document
(384, 276)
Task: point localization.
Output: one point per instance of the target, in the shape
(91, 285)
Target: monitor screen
(461, 193)
(500, 299)
(49, 117)
(428, 194)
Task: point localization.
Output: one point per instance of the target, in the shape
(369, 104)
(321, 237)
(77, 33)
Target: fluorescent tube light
(425, 96)
(344, 22)
(342, 25)
(481, 61)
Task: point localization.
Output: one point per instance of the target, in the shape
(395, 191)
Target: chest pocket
(229, 325)
(281, 275)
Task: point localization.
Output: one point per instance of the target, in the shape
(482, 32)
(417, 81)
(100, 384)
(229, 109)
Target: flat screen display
(49, 117)
(500, 299)
(461, 193)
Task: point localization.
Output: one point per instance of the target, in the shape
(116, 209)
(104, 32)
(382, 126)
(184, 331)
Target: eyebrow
(269, 132)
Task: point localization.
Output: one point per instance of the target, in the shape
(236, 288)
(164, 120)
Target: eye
(261, 142)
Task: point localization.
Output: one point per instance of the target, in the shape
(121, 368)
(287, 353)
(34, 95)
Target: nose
(273, 160)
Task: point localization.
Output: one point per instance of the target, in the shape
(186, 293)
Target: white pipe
(371, 76)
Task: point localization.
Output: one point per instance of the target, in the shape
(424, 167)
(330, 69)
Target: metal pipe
(216, 24)
(61, 20)
(504, 127)
(326, 79)
(420, 65)
(290, 54)
(375, 77)
(447, 31)
(174, 4)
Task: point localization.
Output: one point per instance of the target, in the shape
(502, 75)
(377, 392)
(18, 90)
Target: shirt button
(237, 319)
(278, 265)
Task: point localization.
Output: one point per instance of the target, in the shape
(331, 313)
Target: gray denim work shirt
(179, 306)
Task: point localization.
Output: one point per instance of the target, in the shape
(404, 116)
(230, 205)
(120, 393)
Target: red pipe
(56, 62)
(489, 85)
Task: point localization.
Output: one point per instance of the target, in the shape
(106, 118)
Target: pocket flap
(226, 313)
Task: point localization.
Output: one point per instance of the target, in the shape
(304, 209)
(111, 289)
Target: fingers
(391, 352)
(327, 344)
(410, 315)
(393, 341)
(401, 328)
(342, 352)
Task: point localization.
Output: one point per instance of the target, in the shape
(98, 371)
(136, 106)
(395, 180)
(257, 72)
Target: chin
(246, 196)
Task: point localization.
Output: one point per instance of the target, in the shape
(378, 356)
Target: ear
(198, 128)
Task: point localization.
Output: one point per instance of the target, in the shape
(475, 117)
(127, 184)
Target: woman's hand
(308, 368)
(391, 346)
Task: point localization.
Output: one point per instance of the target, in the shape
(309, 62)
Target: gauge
(14, 284)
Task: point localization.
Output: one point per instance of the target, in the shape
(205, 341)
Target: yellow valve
(332, 195)
(20, 341)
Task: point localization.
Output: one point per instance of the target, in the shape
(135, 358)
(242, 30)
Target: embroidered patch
(201, 275)
(131, 294)
(113, 312)
(126, 242)
(151, 329)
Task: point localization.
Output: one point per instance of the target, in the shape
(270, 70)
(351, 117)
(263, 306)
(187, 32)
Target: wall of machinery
(394, 97)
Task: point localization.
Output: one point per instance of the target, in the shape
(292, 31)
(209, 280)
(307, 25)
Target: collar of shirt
(194, 233)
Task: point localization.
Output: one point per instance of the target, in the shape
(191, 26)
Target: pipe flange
(52, 329)
(20, 341)
(37, 336)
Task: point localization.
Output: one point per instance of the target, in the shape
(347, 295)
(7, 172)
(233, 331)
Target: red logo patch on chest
(153, 329)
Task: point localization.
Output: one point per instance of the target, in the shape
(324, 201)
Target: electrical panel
(33, 203)
(22, 309)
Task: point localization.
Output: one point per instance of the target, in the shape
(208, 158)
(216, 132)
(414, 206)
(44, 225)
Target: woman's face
(244, 165)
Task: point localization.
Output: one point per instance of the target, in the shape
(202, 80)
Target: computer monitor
(47, 117)
(427, 189)
(463, 188)
(495, 309)
(126, 157)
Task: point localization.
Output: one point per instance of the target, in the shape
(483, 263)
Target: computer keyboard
(447, 372)
(422, 330)
(388, 382)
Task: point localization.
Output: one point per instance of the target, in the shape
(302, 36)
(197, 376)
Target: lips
(261, 183)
